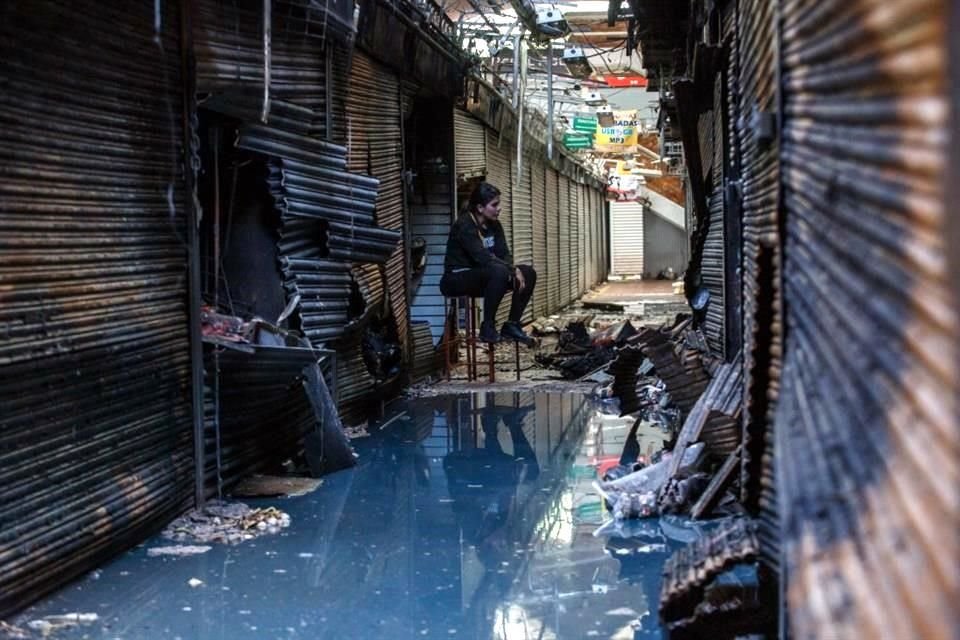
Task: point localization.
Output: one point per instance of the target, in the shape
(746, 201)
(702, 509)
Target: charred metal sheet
(368, 120)
(688, 572)
(866, 443)
(95, 430)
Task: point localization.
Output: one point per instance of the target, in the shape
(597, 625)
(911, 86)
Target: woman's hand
(521, 284)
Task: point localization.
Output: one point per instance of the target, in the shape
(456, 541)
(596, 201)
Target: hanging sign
(585, 125)
(617, 133)
(577, 141)
(624, 81)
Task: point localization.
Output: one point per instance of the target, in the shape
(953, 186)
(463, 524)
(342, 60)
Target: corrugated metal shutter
(576, 246)
(228, 45)
(523, 238)
(96, 420)
(375, 147)
(566, 262)
(498, 173)
(713, 262)
(763, 323)
(712, 268)
(626, 229)
(539, 201)
(867, 436)
(471, 143)
(552, 239)
(366, 118)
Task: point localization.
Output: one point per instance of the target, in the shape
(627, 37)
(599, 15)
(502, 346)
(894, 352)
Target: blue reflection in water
(469, 516)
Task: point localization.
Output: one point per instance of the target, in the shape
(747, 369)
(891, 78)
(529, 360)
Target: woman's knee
(497, 272)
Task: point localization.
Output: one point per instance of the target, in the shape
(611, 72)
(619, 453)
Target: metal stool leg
(473, 344)
(491, 361)
(447, 337)
(471, 341)
(516, 354)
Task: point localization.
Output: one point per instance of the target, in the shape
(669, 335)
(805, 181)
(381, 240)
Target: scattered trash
(228, 523)
(359, 431)
(50, 624)
(270, 486)
(11, 632)
(194, 582)
(178, 550)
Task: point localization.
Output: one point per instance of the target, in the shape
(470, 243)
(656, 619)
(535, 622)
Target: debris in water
(50, 624)
(225, 522)
(178, 550)
(194, 582)
(12, 632)
(359, 431)
(271, 486)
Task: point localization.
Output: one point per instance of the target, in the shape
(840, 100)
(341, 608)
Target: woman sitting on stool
(478, 264)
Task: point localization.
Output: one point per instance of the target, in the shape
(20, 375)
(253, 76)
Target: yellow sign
(617, 132)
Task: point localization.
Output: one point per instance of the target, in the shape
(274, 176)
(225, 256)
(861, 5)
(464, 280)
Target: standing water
(468, 516)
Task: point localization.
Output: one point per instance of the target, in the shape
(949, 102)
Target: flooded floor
(468, 516)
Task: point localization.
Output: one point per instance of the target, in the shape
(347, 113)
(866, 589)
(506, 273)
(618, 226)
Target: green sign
(585, 125)
(577, 141)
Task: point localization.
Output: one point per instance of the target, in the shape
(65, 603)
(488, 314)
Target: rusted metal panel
(95, 369)
(867, 440)
(228, 44)
(373, 127)
(471, 146)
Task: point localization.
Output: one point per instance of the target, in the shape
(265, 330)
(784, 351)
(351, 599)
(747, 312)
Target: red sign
(624, 81)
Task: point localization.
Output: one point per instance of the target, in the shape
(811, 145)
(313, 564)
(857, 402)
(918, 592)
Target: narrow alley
(479, 319)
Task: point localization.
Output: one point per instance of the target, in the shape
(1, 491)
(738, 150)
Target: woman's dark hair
(482, 196)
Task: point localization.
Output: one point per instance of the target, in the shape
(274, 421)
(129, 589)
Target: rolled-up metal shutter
(552, 239)
(470, 140)
(539, 205)
(522, 216)
(498, 173)
(95, 361)
(626, 238)
(870, 379)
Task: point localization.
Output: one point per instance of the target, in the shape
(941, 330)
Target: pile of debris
(226, 523)
(578, 353)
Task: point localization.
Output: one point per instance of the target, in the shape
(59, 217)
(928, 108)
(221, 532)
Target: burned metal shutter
(566, 264)
(498, 173)
(626, 238)
(540, 263)
(228, 45)
(763, 322)
(866, 435)
(374, 143)
(95, 360)
(471, 144)
(552, 239)
(713, 259)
